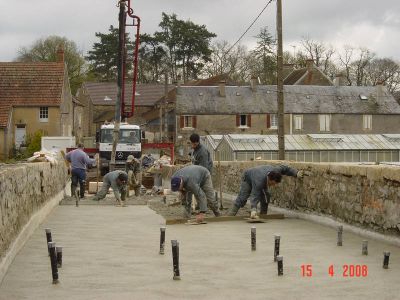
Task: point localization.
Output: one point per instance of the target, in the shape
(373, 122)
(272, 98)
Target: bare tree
(319, 52)
(384, 70)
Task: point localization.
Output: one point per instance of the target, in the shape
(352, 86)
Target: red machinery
(125, 112)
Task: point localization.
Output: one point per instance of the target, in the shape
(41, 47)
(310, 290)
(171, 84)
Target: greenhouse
(307, 148)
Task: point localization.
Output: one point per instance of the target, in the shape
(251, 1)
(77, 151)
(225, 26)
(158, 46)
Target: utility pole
(165, 107)
(279, 85)
(120, 66)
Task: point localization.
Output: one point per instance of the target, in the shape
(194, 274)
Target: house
(99, 100)
(78, 109)
(166, 130)
(310, 75)
(33, 97)
(308, 110)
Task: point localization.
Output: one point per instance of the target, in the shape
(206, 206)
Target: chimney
(339, 80)
(253, 83)
(309, 64)
(222, 88)
(60, 54)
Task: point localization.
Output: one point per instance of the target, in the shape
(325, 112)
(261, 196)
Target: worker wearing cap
(196, 180)
(117, 180)
(255, 184)
(132, 168)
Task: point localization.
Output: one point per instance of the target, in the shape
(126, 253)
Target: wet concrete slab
(112, 253)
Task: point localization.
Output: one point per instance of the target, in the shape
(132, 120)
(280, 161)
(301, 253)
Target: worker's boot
(82, 189)
(216, 212)
(233, 211)
(263, 208)
(73, 190)
(187, 214)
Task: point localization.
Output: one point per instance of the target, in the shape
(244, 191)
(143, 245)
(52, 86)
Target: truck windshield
(126, 136)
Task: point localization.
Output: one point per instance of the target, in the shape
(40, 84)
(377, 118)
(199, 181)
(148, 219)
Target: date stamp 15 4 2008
(306, 270)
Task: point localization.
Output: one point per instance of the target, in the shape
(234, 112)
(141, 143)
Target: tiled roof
(29, 84)
(212, 81)
(147, 94)
(293, 77)
(302, 99)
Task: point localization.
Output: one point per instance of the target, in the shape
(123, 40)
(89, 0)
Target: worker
(117, 180)
(255, 184)
(195, 180)
(79, 161)
(132, 168)
(200, 155)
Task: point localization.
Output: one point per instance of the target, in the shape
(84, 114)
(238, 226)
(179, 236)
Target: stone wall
(362, 195)
(24, 190)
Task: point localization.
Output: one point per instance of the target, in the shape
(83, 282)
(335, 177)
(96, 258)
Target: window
(274, 121)
(243, 120)
(43, 114)
(367, 122)
(324, 122)
(298, 122)
(188, 122)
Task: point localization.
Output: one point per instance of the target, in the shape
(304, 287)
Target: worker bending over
(196, 180)
(255, 187)
(117, 180)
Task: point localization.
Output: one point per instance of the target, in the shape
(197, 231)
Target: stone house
(166, 130)
(78, 109)
(99, 99)
(33, 97)
(308, 110)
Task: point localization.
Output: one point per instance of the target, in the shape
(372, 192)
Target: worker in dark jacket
(79, 162)
(195, 180)
(200, 155)
(255, 184)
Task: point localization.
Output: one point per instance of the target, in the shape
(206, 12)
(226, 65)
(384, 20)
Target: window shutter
(194, 121)
(182, 122)
(237, 120)
(249, 120)
(268, 121)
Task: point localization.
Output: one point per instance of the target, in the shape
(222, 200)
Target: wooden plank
(226, 218)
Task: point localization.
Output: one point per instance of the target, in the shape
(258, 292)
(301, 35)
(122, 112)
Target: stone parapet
(361, 195)
(24, 190)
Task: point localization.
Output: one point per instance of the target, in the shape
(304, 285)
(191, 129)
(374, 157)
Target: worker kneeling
(195, 180)
(255, 184)
(117, 180)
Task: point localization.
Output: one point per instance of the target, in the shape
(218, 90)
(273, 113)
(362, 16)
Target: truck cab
(129, 144)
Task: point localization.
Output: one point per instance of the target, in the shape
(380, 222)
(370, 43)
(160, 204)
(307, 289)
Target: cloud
(368, 23)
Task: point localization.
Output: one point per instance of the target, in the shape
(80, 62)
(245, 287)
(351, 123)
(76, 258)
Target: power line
(248, 28)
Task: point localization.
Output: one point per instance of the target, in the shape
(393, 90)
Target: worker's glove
(253, 214)
(300, 174)
(97, 157)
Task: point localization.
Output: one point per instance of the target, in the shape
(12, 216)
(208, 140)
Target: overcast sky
(367, 23)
